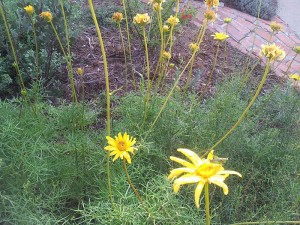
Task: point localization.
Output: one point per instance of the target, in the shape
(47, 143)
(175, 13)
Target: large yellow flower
(121, 146)
(212, 3)
(200, 171)
(173, 20)
(141, 19)
(272, 52)
(117, 17)
(46, 16)
(220, 36)
(275, 27)
(29, 9)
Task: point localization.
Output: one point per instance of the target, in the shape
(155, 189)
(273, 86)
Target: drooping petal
(177, 172)
(116, 156)
(111, 148)
(111, 141)
(198, 192)
(223, 172)
(127, 157)
(183, 162)
(185, 179)
(218, 180)
(195, 159)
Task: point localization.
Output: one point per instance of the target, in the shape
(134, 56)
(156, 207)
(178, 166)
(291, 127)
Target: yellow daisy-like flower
(210, 15)
(297, 49)
(117, 17)
(121, 146)
(212, 3)
(193, 47)
(29, 9)
(46, 16)
(173, 20)
(142, 19)
(275, 27)
(220, 36)
(227, 20)
(295, 76)
(272, 52)
(166, 55)
(200, 171)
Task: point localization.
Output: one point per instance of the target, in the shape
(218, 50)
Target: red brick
(246, 43)
(235, 33)
(282, 67)
(295, 67)
(297, 59)
(264, 34)
(286, 40)
(245, 24)
(295, 38)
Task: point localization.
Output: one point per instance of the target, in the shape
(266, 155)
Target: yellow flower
(193, 47)
(272, 52)
(227, 20)
(166, 55)
(80, 71)
(121, 146)
(297, 49)
(142, 19)
(156, 1)
(165, 28)
(275, 27)
(212, 3)
(157, 7)
(29, 9)
(200, 171)
(294, 76)
(46, 16)
(220, 36)
(210, 15)
(173, 20)
(117, 17)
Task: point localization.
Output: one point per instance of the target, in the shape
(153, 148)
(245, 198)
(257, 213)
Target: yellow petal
(223, 172)
(127, 157)
(111, 141)
(116, 156)
(195, 159)
(210, 155)
(219, 182)
(177, 172)
(198, 192)
(186, 179)
(183, 162)
(110, 148)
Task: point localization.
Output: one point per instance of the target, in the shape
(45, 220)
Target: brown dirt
(88, 56)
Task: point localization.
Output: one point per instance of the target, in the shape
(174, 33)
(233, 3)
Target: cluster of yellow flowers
(46, 16)
(212, 3)
(117, 17)
(220, 36)
(142, 19)
(200, 171)
(275, 27)
(173, 20)
(272, 52)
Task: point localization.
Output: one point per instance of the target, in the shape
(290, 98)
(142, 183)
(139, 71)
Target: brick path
(243, 29)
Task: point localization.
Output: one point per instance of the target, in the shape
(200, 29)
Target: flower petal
(223, 172)
(127, 157)
(198, 192)
(185, 179)
(183, 162)
(217, 180)
(111, 141)
(177, 172)
(195, 159)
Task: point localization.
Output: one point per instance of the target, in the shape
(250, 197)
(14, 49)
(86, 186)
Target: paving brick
(235, 33)
(297, 59)
(286, 40)
(295, 39)
(246, 43)
(244, 24)
(264, 34)
(282, 67)
(295, 67)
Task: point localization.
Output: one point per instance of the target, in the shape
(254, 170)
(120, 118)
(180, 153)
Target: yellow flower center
(122, 146)
(207, 170)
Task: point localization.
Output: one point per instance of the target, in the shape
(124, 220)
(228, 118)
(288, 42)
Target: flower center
(207, 170)
(121, 146)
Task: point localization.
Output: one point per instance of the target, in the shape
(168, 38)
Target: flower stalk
(206, 196)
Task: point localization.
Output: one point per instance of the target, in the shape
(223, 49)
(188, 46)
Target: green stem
(267, 222)
(107, 89)
(247, 108)
(148, 74)
(21, 82)
(129, 44)
(207, 203)
(211, 72)
(125, 60)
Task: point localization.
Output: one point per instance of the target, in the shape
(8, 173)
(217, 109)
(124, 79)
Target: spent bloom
(142, 19)
(275, 27)
(272, 52)
(46, 16)
(212, 3)
(200, 171)
(120, 146)
(117, 17)
(193, 47)
(227, 20)
(220, 36)
(297, 49)
(210, 15)
(295, 76)
(29, 9)
(166, 55)
(166, 28)
(173, 20)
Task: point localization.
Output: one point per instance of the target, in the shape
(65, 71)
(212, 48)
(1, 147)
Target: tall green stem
(16, 64)
(107, 88)
(206, 190)
(148, 74)
(129, 43)
(267, 222)
(247, 108)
